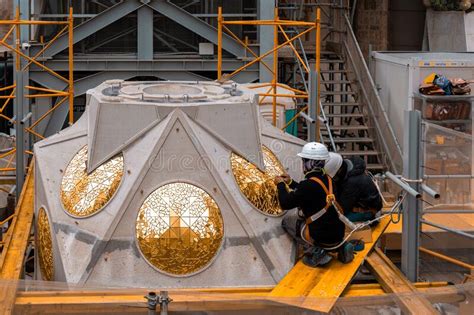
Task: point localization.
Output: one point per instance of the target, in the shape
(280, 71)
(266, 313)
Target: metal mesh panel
(448, 163)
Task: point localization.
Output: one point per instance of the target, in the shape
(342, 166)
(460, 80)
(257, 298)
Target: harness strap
(329, 199)
(317, 215)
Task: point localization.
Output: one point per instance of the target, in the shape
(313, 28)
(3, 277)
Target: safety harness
(330, 201)
(330, 198)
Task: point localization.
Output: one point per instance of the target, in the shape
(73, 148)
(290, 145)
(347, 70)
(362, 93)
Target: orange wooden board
(319, 288)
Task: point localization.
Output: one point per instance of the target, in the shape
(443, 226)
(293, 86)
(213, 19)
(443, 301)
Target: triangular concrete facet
(114, 126)
(190, 110)
(246, 142)
(179, 158)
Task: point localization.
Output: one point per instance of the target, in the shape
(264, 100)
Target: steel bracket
(153, 300)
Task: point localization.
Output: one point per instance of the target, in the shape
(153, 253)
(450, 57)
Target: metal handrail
(328, 128)
(447, 228)
(384, 130)
(403, 185)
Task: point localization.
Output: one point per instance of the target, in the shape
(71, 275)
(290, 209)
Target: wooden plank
(134, 301)
(318, 288)
(461, 221)
(353, 289)
(373, 289)
(437, 238)
(237, 299)
(393, 281)
(13, 253)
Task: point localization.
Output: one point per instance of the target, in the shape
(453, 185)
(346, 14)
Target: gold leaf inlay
(84, 194)
(44, 246)
(258, 186)
(179, 229)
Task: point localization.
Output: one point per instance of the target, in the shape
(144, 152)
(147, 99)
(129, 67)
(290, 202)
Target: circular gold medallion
(44, 246)
(179, 229)
(84, 194)
(258, 186)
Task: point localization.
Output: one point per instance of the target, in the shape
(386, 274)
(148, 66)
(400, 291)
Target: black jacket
(355, 188)
(310, 197)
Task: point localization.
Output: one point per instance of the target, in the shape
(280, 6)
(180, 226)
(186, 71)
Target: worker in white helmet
(318, 226)
(356, 193)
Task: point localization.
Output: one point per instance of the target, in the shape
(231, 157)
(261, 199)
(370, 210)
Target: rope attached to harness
(331, 201)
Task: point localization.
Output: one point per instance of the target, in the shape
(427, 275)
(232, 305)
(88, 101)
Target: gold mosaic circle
(84, 194)
(179, 229)
(44, 246)
(258, 186)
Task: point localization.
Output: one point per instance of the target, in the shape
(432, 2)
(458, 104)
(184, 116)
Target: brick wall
(371, 24)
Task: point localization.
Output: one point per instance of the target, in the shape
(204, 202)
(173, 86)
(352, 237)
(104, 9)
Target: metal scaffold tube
(412, 205)
(278, 27)
(23, 116)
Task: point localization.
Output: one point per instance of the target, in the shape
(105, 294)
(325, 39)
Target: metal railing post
(313, 102)
(318, 69)
(412, 205)
(219, 42)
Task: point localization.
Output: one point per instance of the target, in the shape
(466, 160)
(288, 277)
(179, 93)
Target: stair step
(351, 127)
(355, 115)
(352, 139)
(332, 61)
(350, 153)
(340, 104)
(335, 82)
(333, 71)
(375, 167)
(337, 93)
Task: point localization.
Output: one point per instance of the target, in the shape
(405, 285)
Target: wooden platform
(132, 301)
(319, 288)
(392, 280)
(16, 240)
(438, 238)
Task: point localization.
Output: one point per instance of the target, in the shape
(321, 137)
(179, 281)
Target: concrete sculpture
(164, 184)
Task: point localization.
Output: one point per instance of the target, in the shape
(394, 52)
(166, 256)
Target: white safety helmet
(333, 164)
(314, 151)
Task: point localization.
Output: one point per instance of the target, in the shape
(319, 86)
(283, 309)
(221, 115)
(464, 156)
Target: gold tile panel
(179, 229)
(84, 194)
(44, 246)
(258, 186)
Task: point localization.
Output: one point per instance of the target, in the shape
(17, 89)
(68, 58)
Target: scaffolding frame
(278, 28)
(21, 123)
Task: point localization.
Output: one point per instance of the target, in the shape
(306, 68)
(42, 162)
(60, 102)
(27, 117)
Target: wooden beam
(7, 180)
(393, 281)
(13, 253)
(371, 289)
(237, 299)
(318, 289)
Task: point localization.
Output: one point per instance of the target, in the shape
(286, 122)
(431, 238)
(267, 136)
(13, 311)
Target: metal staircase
(354, 119)
(346, 113)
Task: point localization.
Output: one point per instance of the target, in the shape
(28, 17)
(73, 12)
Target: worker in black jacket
(356, 193)
(309, 196)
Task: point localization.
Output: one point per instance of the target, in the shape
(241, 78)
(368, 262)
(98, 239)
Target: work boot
(316, 257)
(345, 253)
